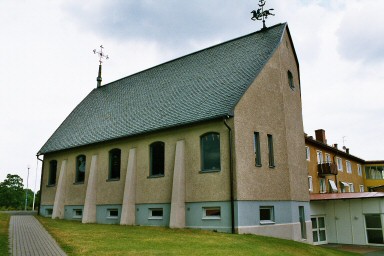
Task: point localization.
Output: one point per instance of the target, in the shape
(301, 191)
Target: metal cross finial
(101, 54)
(260, 14)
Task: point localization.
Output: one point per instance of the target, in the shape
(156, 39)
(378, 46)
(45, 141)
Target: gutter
(41, 183)
(231, 175)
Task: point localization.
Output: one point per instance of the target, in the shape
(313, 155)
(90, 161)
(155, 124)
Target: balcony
(325, 169)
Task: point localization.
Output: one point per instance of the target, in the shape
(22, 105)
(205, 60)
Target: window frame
(361, 188)
(307, 153)
(373, 228)
(211, 216)
(203, 152)
(348, 166)
(310, 183)
(323, 185)
(52, 174)
(151, 216)
(256, 149)
(111, 170)
(339, 163)
(76, 215)
(290, 80)
(78, 169)
(271, 219)
(155, 156)
(359, 170)
(110, 216)
(328, 158)
(319, 157)
(271, 155)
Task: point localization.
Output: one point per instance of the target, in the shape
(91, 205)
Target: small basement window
(48, 212)
(211, 213)
(77, 213)
(112, 213)
(267, 215)
(156, 214)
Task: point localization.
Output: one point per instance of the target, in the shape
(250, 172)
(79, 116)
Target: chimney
(320, 136)
(335, 146)
(347, 150)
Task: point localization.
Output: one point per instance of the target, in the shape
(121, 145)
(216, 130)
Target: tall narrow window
(328, 158)
(80, 168)
(290, 80)
(319, 157)
(339, 163)
(307, 153)
(52, 172)
(271, 156)
(323, 188)
(157, 159)
(256, 145)
(302, 222)
(310, 184)
(348, 165)
(359, 170)
(114, 164)
(210, 151)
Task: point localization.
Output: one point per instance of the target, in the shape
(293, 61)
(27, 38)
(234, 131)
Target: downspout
(41, 182)
(231, 175)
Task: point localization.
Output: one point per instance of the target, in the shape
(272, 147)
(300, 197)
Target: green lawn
(96, 239)
(4, 225)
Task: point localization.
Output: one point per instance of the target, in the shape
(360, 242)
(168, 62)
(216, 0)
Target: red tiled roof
(336, 196)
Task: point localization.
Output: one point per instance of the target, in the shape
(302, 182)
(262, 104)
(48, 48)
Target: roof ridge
(195, 52)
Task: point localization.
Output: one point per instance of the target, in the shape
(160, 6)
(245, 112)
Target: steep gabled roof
(200, 86)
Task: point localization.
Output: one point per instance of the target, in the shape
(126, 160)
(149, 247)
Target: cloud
(361, 34)
(169, 22)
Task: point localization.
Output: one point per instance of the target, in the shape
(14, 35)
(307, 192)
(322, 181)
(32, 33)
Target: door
(318, 230)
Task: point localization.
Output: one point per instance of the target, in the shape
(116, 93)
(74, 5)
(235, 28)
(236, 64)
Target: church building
(211, 140)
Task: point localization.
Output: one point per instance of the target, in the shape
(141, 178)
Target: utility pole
(26, 192)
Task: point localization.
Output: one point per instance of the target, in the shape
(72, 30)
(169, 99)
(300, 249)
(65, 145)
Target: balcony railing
(327, 169)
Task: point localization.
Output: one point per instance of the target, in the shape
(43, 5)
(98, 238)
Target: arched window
(114, 164)
(210, 151)
(80, 168)
(52, 172)
(157, 158)
(290, 80)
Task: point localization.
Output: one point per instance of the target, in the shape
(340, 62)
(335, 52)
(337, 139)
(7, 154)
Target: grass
(4, 225)
(96, 239)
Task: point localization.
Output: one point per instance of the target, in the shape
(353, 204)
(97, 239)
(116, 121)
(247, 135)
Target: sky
(47, 64)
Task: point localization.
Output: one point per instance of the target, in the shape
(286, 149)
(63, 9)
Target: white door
(319, 230)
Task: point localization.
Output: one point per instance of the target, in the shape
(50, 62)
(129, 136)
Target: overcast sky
(48, 67)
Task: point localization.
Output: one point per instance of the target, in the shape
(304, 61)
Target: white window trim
(328, 158)
(351, 187)
(348, 166)
(151, 217)
(109, 213)
(208, 217)
(77, 216)
(319, 156)
(333, 185)
(339, 165)
(272, 213)
(323, 189)
(310, 183)
(307, 153)
(359, 170)
(361, 188)
(343, 186)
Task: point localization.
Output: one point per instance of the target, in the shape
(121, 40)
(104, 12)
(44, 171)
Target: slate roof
(200, 86)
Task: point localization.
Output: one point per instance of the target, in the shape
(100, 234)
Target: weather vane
(260, 14)
(101, 56)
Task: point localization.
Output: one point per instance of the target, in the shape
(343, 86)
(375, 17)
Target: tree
(12, 192)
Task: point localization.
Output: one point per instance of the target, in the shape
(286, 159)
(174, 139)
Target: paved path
(28, 237)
